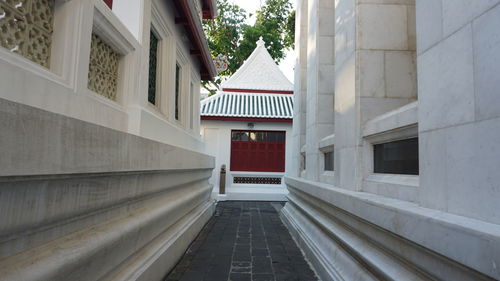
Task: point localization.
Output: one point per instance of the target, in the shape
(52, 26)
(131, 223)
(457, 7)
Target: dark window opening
(397, 157)
(153, 59)
(329, 161)
(192, 105)
(302, 161)
(177, 90)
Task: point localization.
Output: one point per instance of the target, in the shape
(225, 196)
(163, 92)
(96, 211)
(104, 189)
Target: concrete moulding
(64, 145)
(90, 253)
(165, 250)
(331, 262)
(340, 222)
(96, 193)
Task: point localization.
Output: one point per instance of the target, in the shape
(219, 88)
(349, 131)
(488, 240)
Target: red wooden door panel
(109, 3)
(258, 151)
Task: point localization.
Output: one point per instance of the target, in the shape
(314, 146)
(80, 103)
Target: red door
(258, 151)
(109, 3)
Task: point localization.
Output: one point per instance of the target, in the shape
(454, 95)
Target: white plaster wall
(63, 88)
(130, 12)
(217, 135)
(159, 122)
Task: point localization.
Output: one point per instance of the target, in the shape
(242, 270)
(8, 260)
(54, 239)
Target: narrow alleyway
(244, 241)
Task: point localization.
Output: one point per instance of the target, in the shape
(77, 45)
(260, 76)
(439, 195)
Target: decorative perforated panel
(256, 180)
(103, 68)
(26, 28)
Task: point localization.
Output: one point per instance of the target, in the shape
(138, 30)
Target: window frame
(191, 104)
(112, 31)
(181, 60)
(165, 59)
(178, 92)
(63, 51)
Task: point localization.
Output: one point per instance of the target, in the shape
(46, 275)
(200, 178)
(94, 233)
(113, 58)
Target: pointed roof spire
(260, 42)
(258, 72)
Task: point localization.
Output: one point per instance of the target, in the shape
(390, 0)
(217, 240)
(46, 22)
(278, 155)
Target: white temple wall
(96, 186)
(441, 224)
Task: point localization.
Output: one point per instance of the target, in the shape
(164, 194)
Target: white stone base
(156, 260)
(253, 193)
(357, 236)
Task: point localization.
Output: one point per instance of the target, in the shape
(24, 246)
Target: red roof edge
(197, 37)
(208, 10)
(257, 91)
(247, 119)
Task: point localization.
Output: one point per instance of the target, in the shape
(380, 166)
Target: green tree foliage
(224, 32)
(229, 35)
(290, 29)
(272, 25)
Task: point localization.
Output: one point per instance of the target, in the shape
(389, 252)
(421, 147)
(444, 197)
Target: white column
(320, 77)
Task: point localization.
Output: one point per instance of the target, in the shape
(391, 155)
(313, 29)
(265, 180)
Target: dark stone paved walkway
(244, 241)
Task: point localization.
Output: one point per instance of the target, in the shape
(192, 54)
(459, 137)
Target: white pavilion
(247, 126)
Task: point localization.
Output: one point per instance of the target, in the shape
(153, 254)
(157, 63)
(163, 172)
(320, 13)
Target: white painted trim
(326, 144)
(407, 180)
(35, 68)
(112, 31)
(397, 124)
(402, 187)
(327, 177)
(164, 60)
(159, 22)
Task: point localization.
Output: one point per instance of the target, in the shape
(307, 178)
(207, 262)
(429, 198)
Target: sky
(287, 64)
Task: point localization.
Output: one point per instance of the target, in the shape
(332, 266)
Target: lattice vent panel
(103, 68)
(256, 180)
(26, 28)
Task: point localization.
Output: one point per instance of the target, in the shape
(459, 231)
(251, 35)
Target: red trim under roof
(256, 91)
(197, 37)
(247, 119)
(208, 10)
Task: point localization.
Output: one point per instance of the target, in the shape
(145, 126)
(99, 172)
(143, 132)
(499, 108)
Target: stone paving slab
(244, 241)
